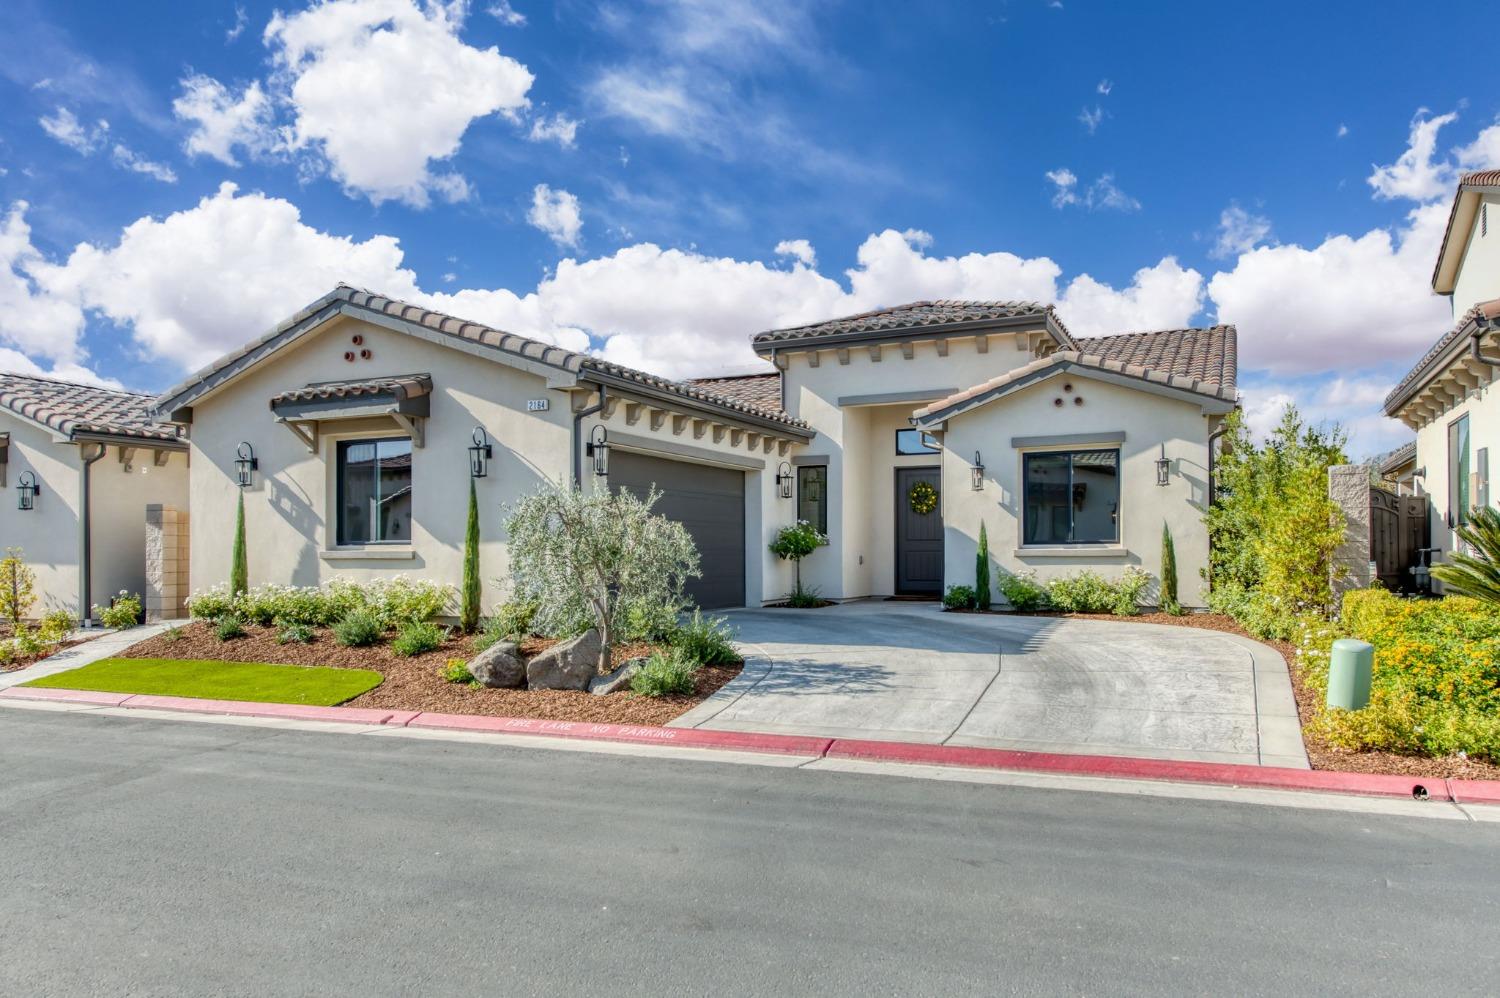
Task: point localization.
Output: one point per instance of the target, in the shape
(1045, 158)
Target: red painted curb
(90, 697)
(1223, 774)
(736, 741)
(1232, 774)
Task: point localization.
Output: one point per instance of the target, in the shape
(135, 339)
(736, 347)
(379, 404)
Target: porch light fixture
(29, 490)
(245, 463)
(1163, 467)
(479, 453)
(598, 449)
(976, 474)
(784, 480)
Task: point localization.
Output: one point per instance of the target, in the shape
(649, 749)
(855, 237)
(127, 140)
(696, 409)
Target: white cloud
(241, 20)
(1343, 130)
(1348, 301)
(449, 277)
(798, 249)
(559, 128)
(1065, 186)
(223, 120)
(64, 126)
(383, 88)
(1104, 87)
(1415, 175)
(660, 104)
(1091, 118)
(556, 213)
(1484, 152)
(1239, 232)
(31, 320)
(128, 159)
(506, 14)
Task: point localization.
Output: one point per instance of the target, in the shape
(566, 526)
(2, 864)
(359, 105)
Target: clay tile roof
(71, 409)
(1480, 178)
(1203, 361)
(763, 391)
(405, 386)
(1398, 458)
(1487, 311)
(1205, 355)
(914, 315)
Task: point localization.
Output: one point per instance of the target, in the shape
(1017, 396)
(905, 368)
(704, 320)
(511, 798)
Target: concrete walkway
(909, 672)
(107, 644)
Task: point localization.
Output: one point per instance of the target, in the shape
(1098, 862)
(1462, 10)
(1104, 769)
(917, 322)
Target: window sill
(395, 552)
(1071, 551)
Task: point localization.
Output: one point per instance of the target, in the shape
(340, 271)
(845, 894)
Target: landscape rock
(617, 680)
(499, 666)
(566, 666)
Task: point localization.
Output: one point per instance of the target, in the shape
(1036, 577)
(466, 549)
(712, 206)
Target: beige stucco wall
(859, 441)
(1482, 406)
(1148, 421)
(48, 534)
(289, 532)
(1478, 276)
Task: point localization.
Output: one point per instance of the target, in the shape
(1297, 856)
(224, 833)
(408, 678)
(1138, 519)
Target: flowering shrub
(1435, 689)
(792, 544)
(1023, 592)
(396, 601)
(1088, 592)
(123, 612)
(959, 598)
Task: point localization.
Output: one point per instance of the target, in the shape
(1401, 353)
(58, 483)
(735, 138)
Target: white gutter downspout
(85, 553)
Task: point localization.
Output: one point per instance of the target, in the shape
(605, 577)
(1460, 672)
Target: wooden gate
(1399, 530)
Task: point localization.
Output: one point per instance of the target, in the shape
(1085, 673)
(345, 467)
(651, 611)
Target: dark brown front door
(919, 538)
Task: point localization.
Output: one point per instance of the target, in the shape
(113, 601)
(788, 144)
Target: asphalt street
(144, 856)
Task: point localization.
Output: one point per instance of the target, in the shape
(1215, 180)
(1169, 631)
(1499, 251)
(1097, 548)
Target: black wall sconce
(784, 478)
(598, 449)
(245, 463)
(1163, 467)
(479, 454)
(29, 490)
(976, 474)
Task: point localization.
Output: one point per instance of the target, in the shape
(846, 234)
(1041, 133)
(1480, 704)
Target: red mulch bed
(1319, 753)
(417, 683)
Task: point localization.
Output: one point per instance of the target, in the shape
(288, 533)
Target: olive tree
(588, 559)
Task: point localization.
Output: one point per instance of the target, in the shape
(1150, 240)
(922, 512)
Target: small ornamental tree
(795, 542)
(1169, 603)
(17, 586)
(593, 559)
(468, 610)
(239, 568)
(982, 571)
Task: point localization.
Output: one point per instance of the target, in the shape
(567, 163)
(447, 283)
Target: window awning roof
(406, 398)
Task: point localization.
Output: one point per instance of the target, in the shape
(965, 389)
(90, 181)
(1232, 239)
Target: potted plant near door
(793, 543)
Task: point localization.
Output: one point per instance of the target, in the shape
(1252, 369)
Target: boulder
(617, 680)
(499, 666)
(568, 665)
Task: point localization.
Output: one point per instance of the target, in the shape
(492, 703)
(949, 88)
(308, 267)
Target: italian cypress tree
(468, 613)
(982, 571)
(239, 568)
(1168, 572)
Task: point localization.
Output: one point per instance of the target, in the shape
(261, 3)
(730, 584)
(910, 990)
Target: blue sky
(656, 181)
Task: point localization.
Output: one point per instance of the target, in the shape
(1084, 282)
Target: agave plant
(1477, 574)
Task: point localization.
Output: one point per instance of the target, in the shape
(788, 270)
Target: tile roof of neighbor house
(760, 390)
(914, 315)
(73, 409)
(355, 301)
(1468, 323)
(1467, 181)
(1201, 361)
(405, 386)
(1396, 459)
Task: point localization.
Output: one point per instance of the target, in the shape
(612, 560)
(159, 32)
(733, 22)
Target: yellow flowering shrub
(1436, 684)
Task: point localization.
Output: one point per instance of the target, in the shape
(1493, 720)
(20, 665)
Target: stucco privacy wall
(48, 534)
(1481, 261)
(289, 532)
(1148, 421)
(850, 405)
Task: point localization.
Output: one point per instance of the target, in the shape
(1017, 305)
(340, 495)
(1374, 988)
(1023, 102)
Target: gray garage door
(710, 503)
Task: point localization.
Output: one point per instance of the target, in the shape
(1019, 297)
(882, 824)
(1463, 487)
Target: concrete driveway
(909, 672)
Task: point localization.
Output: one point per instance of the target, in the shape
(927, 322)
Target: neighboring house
(362, 412)
(1449, 398)
(1399, 469)
(80, 465)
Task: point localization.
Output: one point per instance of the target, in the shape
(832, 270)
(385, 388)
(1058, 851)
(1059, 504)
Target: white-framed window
(1071, 497)
(373, 490)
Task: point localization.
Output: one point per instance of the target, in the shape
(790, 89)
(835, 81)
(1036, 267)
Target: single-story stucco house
(1449, 396)
(84, 468)
(356, 424)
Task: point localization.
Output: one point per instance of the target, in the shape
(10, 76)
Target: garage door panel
(710, 503)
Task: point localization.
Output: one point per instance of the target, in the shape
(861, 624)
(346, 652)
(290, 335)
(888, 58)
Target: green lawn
(217, 680)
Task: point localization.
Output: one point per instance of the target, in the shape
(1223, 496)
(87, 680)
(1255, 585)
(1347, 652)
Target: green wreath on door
(922, 498)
